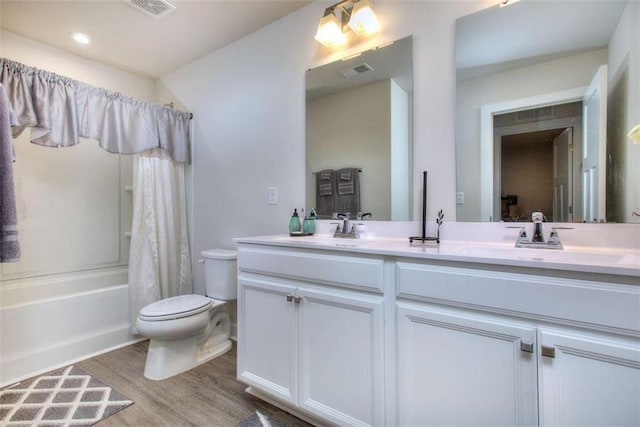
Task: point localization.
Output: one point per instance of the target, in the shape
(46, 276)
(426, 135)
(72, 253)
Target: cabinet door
(456, 368)
(267, 337)
(341, 357)
(587, 380)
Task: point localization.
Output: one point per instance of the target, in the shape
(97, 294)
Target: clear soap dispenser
(294, 222)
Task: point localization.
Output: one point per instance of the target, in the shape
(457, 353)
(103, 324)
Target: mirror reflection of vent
(355, 70)
(534, 114)
(155, 8)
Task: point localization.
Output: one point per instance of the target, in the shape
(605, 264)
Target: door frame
(488, 174)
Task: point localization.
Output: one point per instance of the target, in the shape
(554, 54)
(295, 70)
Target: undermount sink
(604, 257)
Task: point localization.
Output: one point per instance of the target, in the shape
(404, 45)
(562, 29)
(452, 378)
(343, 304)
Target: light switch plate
(460, 198)
(273, 196)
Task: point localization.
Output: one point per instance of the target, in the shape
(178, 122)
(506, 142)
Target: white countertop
(622, 262)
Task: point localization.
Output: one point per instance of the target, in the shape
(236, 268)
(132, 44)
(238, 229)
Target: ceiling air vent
(155, 8)
(534, 114)
(355, 70)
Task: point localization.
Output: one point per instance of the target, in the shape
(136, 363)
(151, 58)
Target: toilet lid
(176, 307)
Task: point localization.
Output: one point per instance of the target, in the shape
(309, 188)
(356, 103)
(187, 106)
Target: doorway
(536, 151)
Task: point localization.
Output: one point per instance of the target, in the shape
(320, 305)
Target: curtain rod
(170, 105)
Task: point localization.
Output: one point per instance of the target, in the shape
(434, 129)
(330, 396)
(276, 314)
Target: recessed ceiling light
(81, 38)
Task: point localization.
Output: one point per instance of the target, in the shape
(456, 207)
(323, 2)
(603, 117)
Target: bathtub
(55, 320)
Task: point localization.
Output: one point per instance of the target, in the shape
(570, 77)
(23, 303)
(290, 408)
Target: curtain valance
(60, 110)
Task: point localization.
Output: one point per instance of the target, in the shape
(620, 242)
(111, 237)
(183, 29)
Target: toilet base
(168, 358)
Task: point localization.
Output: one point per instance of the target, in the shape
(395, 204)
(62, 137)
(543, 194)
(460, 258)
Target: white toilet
(188, 330)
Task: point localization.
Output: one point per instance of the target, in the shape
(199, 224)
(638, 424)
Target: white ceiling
(129, 39)
(534, 28)
(393, 61)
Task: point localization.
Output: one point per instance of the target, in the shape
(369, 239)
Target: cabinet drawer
(610, 306)
(348, 271)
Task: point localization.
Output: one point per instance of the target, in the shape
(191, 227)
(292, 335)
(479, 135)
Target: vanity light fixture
(503, 3)
(330, 30)
(356, 15)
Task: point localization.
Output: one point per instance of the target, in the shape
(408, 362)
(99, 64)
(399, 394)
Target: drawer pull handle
(548, 351)
(297, 300)
(289, 298)
(526, 346)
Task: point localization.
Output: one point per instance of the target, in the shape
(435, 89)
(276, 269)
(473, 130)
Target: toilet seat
(175, 308)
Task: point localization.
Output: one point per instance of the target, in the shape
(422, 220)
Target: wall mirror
(543, 107)
(359, 115)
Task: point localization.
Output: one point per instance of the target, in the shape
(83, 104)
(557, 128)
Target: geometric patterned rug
(258, 419)
(67, 397)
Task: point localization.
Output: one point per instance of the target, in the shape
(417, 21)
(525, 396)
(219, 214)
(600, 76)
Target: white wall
(248, 100)
(340, 128)
(546, 77)
(67, 298)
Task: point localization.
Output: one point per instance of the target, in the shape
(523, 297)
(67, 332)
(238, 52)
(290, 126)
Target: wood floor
(208, 395)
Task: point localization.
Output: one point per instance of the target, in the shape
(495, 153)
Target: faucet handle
(522, 233)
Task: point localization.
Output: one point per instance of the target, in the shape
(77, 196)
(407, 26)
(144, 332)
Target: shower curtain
(159, 257)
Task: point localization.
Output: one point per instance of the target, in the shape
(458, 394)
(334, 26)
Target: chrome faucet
(537, 240)
(346, 229)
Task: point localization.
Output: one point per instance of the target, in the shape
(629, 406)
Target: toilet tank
(220, 273)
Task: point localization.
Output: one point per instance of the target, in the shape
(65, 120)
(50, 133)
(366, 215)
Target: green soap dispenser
(294, 222)
(309, 224)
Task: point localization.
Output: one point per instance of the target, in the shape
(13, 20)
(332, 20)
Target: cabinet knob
(548, 351)
(289, 298)
(297, 300)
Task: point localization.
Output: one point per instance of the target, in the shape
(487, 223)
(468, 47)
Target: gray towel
(348, 198)
(325, 193)
(9, 245)
(325, 185)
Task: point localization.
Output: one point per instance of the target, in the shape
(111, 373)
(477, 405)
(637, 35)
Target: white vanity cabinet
(588, 380)
(457, 368)
(360, 335)
(489, 347)
(310, 332)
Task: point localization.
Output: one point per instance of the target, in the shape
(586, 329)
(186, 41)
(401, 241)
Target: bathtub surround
(9, 244)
